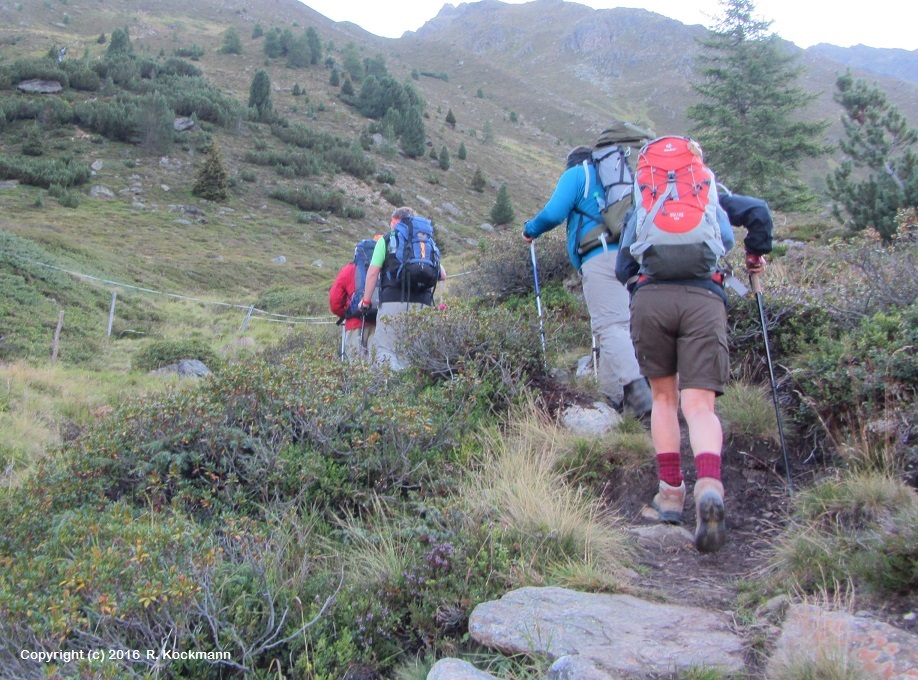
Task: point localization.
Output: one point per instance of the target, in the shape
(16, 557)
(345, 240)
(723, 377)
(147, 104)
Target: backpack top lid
(621, 133)
(577, 155)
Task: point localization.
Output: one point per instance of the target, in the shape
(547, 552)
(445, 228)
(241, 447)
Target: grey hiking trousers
(608, 302)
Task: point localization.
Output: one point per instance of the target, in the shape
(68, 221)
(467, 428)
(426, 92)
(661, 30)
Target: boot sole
(668, 516)
(711, 533)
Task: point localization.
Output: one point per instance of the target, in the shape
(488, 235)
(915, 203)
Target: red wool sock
(708, 465)
(670, 469)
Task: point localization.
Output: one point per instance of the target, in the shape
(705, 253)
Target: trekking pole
(341, 352)
(535, 276)
(595, 353)
(757, 290)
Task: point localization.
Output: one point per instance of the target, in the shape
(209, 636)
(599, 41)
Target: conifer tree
(211, 181)
(461, 153)
(334, 79)
(155, 132)
(746, 120)
(120, 43)
(478, 180)
(315, 45)
(413, 135)
(879, 139)
(232, 43)
(451, 119)
(502, 212)
(260, 94)
(257, 32)
(443, 160)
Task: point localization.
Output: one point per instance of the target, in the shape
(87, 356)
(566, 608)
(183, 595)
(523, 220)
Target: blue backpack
(363, 253)
(417, 258)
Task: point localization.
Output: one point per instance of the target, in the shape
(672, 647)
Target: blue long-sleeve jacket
(569, 203)
(739, 211)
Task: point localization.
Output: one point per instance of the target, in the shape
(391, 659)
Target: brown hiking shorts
(679, 329)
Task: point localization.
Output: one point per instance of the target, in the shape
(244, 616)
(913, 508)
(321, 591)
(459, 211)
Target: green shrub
(161, 353)
(488, 343)
(505, 265)
(385, 177)
(293, 301)
(868, 374)
(860, 529)
(392, 196)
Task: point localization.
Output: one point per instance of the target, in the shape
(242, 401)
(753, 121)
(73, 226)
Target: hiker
(574, 200)
(406, 263)
(679, 327)
(359, 326)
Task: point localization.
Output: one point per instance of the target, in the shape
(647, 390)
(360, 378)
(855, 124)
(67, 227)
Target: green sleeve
(379, 254)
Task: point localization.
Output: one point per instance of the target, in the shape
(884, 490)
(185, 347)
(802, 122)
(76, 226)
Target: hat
(624, 134)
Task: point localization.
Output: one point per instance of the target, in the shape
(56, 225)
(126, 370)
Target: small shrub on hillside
(43, 172)
(66, 197)
(385, 177)
(505, 265)
(747, 411)
(392, 196)
(866, 376)
(488, 343)
(860, 529)
(161, 353)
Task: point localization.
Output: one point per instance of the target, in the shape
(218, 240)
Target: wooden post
(245, 323)
(57, 335)
(111, 314)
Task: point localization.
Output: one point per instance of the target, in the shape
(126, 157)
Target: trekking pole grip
(755, 282)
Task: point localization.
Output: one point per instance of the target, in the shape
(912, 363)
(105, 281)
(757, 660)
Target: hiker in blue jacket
(679, 328)
(620, 378)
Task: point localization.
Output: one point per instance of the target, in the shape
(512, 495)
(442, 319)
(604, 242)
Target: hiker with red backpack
(406, 265)
(344, 297)
(593, 209)
(669, 257)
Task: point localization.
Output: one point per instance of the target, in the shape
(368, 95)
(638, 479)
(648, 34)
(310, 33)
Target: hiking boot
(669, 502)
(638, 398)
(710, 532)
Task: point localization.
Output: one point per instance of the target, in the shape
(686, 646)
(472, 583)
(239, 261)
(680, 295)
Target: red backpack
(675, 197)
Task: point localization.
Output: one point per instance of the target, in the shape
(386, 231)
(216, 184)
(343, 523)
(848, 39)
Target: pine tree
(502, 212)
(745, 121)
(155, 132)
(315, 45)
(232, 43)
(443, 160)
(120, 43)
(413, 136)
(334, 79)
(211, 181)
(878, 138)
(461, 153)
(347, 89)
(478, 180)
(260, 94)
(257, 32)
(451, 119)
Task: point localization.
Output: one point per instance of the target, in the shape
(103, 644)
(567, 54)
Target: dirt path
(756, 504)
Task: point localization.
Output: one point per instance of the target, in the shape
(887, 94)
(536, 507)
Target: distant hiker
(592, 248)
(406, 263)
(669, 258)
(344, 298)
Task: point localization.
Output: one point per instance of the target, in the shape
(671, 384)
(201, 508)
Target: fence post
(57, 335)
(111, 314)
(245, 323)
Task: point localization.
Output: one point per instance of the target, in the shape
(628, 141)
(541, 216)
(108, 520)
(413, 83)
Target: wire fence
(252, 313)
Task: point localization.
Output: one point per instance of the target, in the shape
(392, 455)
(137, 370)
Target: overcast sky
(877, 23)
